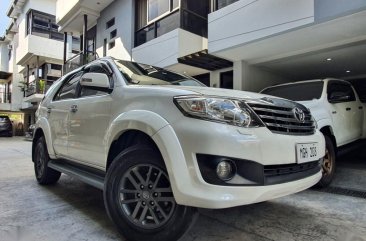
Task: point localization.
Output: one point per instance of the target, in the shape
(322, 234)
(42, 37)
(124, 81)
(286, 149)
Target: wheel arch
(43, 129)
(133, 127)
(328, 131)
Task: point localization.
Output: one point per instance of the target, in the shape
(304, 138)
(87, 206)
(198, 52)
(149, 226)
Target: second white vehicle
(337, 109)
(160, 144)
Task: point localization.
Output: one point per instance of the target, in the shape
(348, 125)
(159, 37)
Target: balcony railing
(34, 88)
(5, 97)
(180, 18)
(79, 60)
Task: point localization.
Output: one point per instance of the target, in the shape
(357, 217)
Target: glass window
(110, 23)
(342, 92)
(142, 74)
(224, 3)
(157, 8)
(69, 89)
(297, 92)
(43, 25)
(167, 24)
(227, 80)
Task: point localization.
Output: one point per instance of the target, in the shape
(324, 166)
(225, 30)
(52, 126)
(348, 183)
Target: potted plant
(42, 86)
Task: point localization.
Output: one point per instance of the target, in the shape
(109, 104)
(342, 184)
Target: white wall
(63, 7)
(166, 49)
(252, 78)
(248, 20)
(123, 12)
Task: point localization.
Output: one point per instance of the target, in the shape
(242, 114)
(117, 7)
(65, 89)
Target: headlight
(234, 112)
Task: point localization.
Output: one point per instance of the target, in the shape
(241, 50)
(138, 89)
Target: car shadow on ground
(250, 222)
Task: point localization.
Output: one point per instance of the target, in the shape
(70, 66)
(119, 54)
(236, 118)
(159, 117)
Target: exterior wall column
(240, 80)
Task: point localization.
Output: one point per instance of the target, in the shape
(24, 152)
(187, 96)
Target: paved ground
(72, 210)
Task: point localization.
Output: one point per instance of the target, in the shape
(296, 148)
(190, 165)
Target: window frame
(340, 83)
(171, 10)
(30, 25)
(66, 80)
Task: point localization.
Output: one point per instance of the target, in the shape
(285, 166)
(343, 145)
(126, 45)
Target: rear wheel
(44, 174)
(329, 163)
(139, 199)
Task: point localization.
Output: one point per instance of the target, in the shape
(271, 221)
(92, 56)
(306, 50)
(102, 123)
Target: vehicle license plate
(307, 152)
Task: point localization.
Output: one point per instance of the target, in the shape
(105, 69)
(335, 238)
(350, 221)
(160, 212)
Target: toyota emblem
(299, 114)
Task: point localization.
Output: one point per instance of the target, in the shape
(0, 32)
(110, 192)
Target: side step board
(83, 174)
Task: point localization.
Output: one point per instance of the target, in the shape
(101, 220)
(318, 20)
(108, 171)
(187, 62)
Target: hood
(217, 92)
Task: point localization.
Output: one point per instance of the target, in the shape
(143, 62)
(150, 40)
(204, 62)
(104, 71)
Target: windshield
(297, 92)
(143, 74)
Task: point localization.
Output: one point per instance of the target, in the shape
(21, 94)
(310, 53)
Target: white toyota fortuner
(160, 144)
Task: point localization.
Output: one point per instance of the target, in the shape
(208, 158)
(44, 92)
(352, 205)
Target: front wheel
(44, 174)
(329, 163)
(139, 199)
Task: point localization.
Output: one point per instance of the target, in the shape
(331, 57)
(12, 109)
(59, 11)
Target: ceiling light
(329, 59)
(348, 71)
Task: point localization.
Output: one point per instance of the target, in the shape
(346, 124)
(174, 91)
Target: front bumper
(183, 140)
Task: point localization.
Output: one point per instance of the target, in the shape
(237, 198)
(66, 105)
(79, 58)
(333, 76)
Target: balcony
(78, 61)
(69, 13)
(51, 50)
(34, 92)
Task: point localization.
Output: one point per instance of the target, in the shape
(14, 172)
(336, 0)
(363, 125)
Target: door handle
(334, 112)
(360, 107)
(74, 108)
(49, 110)
(348, 109)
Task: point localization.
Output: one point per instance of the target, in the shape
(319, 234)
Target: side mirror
(337, 97)
(96, 80)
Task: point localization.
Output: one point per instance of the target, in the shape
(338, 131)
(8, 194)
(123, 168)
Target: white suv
(160, 144)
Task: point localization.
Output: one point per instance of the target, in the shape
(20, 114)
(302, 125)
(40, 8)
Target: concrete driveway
(72, 210)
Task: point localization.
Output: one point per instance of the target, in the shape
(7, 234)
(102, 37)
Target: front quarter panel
(141, 120)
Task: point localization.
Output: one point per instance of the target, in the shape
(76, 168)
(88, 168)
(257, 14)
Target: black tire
(44, 174)
(139, 200)
(329, 163)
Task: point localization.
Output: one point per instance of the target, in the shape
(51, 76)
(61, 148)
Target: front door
(59, 110)
(89, 123)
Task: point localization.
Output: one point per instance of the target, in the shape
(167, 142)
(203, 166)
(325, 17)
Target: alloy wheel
(40, 160)
(327, 163)
(145, 196)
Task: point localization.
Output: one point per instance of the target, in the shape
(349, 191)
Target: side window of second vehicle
(341, 90)
(69, 89)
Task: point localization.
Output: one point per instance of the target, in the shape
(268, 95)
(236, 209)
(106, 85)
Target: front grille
(279, 170)
(282, 120)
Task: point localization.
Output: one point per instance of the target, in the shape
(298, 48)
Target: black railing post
(85, 47)
(65, 47)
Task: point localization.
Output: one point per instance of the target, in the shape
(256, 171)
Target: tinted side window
(89, 91)
(69, 89)
(336, 89)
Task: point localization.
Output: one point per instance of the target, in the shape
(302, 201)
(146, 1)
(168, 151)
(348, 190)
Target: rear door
(58, 113)
(347, 118)
(89, 122)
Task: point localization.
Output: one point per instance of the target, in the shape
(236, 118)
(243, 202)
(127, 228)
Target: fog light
(225, 170)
